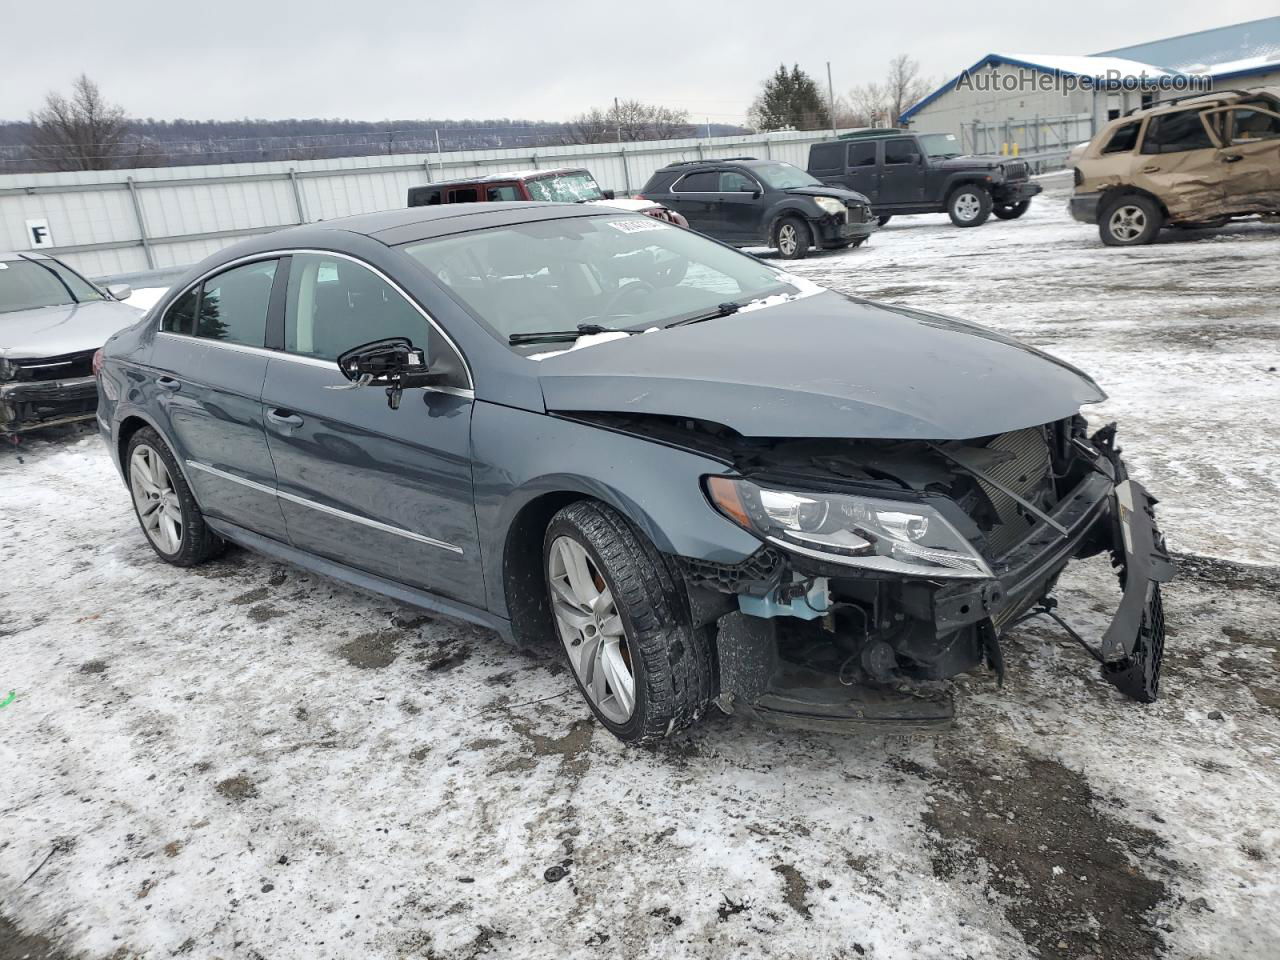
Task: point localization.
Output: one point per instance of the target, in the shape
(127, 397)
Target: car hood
(824, 366)
(824, 191)
(54, 331)
(974, 161)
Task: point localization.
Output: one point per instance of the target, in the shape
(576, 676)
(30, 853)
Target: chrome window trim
(277, 254)
(297, 358)
(332, 511)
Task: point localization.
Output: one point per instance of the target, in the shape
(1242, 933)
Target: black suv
(748, 202)
(905, 172)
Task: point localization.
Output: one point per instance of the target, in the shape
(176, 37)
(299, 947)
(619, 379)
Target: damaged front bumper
(766, 646)
(31, 405)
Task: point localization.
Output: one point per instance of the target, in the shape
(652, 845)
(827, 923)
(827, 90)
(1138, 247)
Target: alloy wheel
(787, 239)
(967, 206)
(1127, 222)
(156, 500)
(591, 629)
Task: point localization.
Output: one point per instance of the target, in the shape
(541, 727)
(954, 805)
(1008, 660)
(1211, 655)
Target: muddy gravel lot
(247, 760)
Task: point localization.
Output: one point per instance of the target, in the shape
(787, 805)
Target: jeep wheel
(969, 205)
(1012, 212)
(792, 238)
(644, 670)
(883, 220)
(1130, 222)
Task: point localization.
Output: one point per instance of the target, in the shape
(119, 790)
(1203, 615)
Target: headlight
(894, 536)
(830, 204)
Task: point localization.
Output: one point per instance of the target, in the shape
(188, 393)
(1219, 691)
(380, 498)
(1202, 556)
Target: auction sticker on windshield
(638, 224)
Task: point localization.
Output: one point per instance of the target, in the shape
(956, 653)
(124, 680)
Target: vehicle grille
(1026, 473)
(859, 213)
(1016, 170)
(65, 367)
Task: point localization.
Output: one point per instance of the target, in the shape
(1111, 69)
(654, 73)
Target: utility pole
(708, 119)
(617, 116)
(831, 99)
(439, 154)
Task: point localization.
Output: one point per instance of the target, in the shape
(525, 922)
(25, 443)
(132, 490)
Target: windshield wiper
(562, 336)
(723, 310)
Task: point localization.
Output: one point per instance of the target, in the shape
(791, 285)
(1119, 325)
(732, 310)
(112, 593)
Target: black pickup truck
(904, 172)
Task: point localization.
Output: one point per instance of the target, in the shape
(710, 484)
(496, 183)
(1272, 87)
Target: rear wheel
(969, 205)
(1012, 211)
(793, 238)
(165, 506)
(625, 625)
(1130, 221)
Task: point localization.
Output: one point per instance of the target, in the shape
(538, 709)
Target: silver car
(52, 321)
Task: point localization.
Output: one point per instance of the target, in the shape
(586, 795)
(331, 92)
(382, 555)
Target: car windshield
(940, 144)
(565, 188)
(28, 284)
(622, 272)
(783, 176)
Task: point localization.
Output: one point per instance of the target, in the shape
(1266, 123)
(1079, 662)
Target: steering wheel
(632, 289)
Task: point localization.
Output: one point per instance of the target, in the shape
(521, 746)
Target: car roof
(508, 175)
(394, 227)
(1195, 101)
(684, 166)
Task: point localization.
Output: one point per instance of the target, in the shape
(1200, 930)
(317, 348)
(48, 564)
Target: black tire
(674, 670)
(1130, 221)
(883, 220)
(1012, 211)
(841, 244)
(792, 249)
(969, 197)
(197, 542)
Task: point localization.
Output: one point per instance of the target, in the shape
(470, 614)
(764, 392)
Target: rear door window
(1123, 138)
(233, 305)
(1251, 124)
(502, 191)
(1176, 133)
(706, 181)
(862, 154)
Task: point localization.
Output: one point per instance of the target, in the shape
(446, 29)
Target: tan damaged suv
(1196, 161)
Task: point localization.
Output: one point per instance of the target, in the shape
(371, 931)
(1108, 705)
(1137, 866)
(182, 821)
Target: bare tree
(83, 133)
(628, 121)
(882, 104)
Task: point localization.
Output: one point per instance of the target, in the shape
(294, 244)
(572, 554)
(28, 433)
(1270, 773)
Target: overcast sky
(371, 60)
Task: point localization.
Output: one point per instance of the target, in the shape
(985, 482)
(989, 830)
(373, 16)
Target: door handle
(284, 418)
(1232, 158)
(169, 383)
(1151, 168)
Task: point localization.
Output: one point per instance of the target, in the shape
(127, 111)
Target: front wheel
(625, 625)
(969, 205)
(883, 220)
(1130, 222)
(165, 506)
(1012, 211)
(792, 238)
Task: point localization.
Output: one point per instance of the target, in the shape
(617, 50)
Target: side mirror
(607, 194)
(119, 291)
(394, 363)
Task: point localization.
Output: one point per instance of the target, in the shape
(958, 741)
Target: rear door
(1249, 157)
(862, 173)
(826, 162)
(694, 196)
(1178, 161)
(385, 491)
(209, 361)
(902, 173)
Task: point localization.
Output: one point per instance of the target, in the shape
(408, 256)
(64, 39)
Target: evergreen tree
(789, 100)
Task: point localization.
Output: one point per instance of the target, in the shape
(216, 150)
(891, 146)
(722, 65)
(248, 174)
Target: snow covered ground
(244, 760)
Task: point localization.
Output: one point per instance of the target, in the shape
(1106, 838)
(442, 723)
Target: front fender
(520, 457)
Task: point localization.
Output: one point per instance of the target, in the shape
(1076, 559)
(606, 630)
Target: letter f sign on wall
(38, 234)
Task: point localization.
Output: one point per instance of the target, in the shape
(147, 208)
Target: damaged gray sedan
(710, 481)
